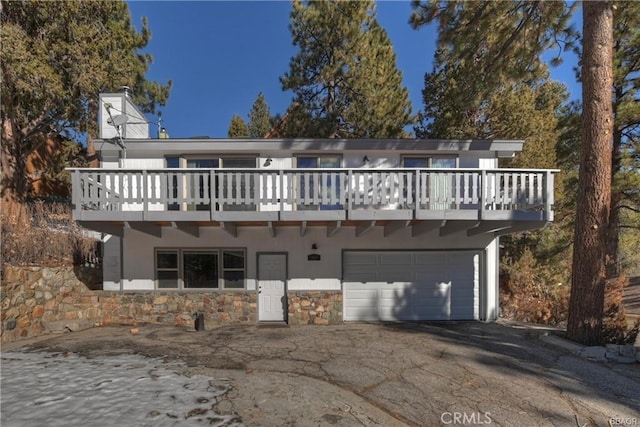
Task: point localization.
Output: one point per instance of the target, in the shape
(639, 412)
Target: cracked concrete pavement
(383, 374)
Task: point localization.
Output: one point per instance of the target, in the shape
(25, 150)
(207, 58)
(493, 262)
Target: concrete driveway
(464, 373)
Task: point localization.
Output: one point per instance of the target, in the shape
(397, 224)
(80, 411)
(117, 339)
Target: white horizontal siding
(326, 274)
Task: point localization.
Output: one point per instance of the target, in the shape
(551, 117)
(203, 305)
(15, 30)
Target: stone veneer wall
(315, 307)
(36, 300)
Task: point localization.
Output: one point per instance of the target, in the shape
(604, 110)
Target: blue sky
(221, 54)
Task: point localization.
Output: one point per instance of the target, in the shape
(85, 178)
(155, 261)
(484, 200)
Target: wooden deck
(224, 195)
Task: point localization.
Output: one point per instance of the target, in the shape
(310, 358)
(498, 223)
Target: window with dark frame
(172, 183)
(314, 162)
(200, 186)
(167, 272)
(440, 187)
(200, 268)
(429, 162)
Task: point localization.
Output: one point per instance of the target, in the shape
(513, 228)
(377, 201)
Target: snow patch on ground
(56, 389)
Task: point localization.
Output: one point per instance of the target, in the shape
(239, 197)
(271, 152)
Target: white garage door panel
(361, 293)
(396, 259)
(394, 276)
(363, 259)
(427, 259)
(362, 314)
(410, 285)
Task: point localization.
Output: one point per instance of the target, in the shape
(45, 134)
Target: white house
(387, 229)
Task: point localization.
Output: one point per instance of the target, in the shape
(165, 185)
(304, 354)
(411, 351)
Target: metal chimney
(125, 90)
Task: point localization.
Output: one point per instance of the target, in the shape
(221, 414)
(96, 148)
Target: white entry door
(272, 277)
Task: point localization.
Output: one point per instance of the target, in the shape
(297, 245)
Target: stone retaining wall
(36, 300)
(315, 307)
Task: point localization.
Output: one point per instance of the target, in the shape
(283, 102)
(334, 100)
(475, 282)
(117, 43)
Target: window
(319, 161)
(200, 268)
(439, 186)
(307, 185)
(201, 188)
(233, 269)
(242, 186)
(239, 163)
(172, 183)
(199, 184)
(430, 162)
(167, 269)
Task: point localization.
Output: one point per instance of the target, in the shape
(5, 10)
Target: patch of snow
(55, 389)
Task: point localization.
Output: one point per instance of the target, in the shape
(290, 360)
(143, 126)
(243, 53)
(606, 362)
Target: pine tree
(624, 220)
(237, 128)
(481, 54)
(56, 58)
(594, 183)
(478, 55)
(344, 75)
(625, 171)
(259, 118)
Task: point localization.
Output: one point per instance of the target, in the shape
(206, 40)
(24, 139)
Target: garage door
(410, 285)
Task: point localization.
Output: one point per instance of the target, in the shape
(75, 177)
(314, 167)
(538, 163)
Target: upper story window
(211, 162)
(319, 162)
(430, 162)
(203, 163)
(238, 162)
(172, 162)
(313, 187)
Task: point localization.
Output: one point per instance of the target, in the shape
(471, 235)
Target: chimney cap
(126, 90)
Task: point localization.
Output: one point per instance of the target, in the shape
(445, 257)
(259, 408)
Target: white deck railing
(306, 190)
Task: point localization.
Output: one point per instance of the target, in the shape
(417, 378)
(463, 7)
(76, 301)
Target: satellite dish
(120, 119)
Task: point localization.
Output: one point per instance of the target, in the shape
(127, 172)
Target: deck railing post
(417, 199)
(483, 192)
(213, 189)
(548, 196)
(76, 192)
(349, 192)
(145, 193)
(281, 192)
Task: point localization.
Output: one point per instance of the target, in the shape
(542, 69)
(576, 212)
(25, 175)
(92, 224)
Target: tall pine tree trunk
(15, 184)
(613, 241)
(589, 271)
(92, 155)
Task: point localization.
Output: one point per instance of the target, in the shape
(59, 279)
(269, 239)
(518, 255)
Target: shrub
(614, 327)
(44, 233)
(531, 293)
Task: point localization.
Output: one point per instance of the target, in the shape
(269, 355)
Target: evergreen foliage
(259, 118)
(56, 58)
(484, 45)
(344, 76)
(625, 171)
(487, 71)
(478, 55)
(625, 201)
(237, 128)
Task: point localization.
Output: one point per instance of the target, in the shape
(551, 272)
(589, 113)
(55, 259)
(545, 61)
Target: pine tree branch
(630, 227)
(631, 208)
(511, 39)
